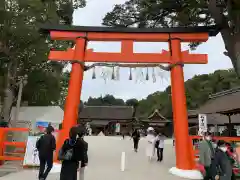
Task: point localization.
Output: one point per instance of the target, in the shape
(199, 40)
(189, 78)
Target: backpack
(66, 154)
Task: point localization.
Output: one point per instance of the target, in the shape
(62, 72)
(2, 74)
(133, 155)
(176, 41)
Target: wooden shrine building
(157, 121)
(105, 118)
(222, 110)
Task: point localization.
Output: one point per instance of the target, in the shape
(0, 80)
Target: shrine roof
(155, 117)
(156, 113)
(217, 119)
(211, 30)
(107, 113)
(225, 102)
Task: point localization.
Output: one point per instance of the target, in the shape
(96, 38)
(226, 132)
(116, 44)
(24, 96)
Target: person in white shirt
(150, 149)
(159, 144)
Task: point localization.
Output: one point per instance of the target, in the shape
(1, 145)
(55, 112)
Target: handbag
(65, 155)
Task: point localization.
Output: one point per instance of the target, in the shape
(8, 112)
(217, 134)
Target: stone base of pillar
(189, 174)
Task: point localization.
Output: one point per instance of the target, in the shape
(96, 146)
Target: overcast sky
(92, 15)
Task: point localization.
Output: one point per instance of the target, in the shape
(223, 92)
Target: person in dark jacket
(84, 145)
(70, 167)
(136, 138)
(46, 145)
(221, 167)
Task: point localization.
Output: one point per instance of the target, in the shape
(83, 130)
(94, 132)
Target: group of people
(155, 142)
(214, 156)
(73, 154)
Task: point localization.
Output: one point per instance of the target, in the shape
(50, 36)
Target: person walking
(123, 135)
(46, 145)
(221, 168)
(84, 159)
(136, 138)
(206, 154)
(71, 153)
(159, 144)
(173, 138)
(150, 149)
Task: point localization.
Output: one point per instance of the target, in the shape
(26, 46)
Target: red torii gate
(127, 36)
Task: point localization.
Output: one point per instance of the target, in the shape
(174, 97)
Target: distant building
(222, 110)
(33, 114)
(158, 122)
(107, 119)
(29, 115)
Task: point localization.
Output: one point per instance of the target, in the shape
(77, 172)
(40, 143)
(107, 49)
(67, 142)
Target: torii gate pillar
(179, 108)
(74, 92)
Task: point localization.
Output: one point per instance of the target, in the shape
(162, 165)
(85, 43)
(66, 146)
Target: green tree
(64, 79)
(170, 13)
(198, 90)
(132, 102)
(107, 100)
(23, 50)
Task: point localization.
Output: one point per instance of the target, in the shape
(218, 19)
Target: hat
(150, 129)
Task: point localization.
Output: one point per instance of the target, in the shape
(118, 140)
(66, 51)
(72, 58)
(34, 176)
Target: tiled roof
(107, 112)
(224, 102)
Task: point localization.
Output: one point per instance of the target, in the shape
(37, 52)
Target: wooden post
(2, 139)
(184, 160)
(74, 93)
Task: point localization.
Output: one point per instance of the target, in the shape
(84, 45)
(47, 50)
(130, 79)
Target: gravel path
(105, 159)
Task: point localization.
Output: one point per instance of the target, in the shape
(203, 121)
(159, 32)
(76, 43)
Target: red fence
(4, 144)
(227, 139)
(19, 145)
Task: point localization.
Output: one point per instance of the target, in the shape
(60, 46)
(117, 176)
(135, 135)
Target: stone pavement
(105, 162)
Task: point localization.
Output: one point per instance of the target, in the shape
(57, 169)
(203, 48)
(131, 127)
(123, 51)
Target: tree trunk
(232, 45)
(8, 97)
(230, 33)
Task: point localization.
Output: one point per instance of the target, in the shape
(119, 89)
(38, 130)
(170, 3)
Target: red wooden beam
(61, 55)
(128, 57)
(190, 37)
(191, 58)
(141, 37)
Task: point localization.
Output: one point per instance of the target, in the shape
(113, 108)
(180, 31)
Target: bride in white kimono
(150, 149)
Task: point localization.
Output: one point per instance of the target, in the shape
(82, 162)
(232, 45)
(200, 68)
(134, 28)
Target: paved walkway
(105, 159)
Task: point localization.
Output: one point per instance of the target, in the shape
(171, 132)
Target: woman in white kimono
(150, 149)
